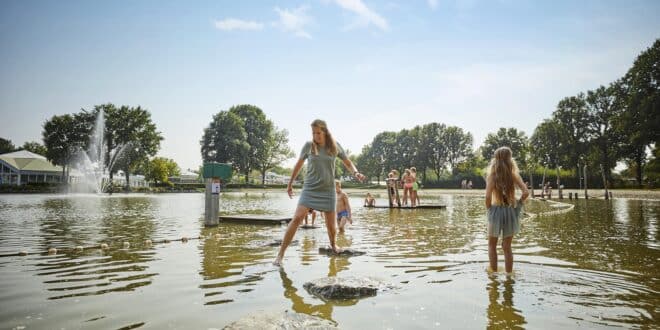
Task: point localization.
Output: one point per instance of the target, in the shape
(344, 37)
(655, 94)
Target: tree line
(599, 128)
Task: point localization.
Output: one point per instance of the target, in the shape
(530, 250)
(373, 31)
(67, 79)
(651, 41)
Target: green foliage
(130, 136)
(639, 123)
(603, 106)
(35, 147)
(275, 151)
(159, 169)
(6, 146)
(64, 136)
(507, 137)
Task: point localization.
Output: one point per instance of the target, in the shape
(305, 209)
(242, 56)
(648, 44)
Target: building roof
(23, 154)
(24, 160)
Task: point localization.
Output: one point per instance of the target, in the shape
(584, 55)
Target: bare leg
(331, 225)
(492, 253)
(313, 218)
(405, 196)
(413, 198)
(342, 224)
(290, 232)
(508, 254)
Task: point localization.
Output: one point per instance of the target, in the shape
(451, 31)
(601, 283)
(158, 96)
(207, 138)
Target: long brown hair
(330, 143)
(503, 170)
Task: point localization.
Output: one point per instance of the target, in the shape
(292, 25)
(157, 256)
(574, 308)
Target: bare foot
(277, 262)
(337, 250)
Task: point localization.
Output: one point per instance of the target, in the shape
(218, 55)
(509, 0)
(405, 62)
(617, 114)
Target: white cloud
(294, 20)
(231, 24)
(433, 4)
(366, 16)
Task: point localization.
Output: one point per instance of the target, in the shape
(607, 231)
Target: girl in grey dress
(319, 186)
(503, 208)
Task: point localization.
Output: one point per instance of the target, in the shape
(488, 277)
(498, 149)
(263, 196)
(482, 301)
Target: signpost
(214, 174)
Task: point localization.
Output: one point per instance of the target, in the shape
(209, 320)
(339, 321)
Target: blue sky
(363, 66)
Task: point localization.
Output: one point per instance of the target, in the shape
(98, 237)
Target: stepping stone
(347, 252)
(345, 287)
(280, 320)
(278, 242)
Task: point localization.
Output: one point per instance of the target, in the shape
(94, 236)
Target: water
(93, 169)
(593, 266)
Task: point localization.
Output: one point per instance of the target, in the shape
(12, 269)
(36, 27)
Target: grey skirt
(503, 220)
(319, 200)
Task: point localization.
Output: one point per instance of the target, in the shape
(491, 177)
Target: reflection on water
(595, 265)
(501, 311)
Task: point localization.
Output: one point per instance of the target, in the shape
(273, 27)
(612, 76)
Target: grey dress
(319, 187)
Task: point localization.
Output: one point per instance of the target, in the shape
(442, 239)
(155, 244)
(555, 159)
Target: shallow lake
(585, 263)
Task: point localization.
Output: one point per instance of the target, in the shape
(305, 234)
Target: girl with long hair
(503, 208)
(318, 191)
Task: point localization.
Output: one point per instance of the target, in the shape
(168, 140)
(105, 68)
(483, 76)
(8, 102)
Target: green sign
(217, 170)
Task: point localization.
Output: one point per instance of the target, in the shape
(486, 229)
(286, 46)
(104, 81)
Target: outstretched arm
(351, 168)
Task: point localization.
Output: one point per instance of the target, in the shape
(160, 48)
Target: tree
(6, 146)
(571, 116)
(603, 106)
(382, 146)
(130, 136)
(640, 121)
(258, 131)
(367, 164)
(159, 169)
(64, 137)
(224, 140)
(35, 147)
(458, 146)
(433, 150)
(276, 150)
(507, 137)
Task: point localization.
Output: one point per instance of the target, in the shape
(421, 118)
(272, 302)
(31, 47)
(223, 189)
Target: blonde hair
(501, 174)
(330, 143)
(337, 183)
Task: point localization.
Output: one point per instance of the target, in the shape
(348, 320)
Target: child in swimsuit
(343, 207)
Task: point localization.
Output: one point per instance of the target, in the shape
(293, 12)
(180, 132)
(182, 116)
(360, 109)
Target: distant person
(319, 187)
(343, 208)
(310, 213)
(408, 180)
(392, 189)
(463, 184)
(503, 208)
(469, 184)
(369, 201)
(415, 187)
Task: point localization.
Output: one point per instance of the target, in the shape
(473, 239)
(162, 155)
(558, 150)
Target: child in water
(369, 201)
(503, 208)
(343, 207)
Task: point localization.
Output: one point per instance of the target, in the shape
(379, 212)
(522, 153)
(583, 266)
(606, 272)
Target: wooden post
(602, 171)
(585, 182)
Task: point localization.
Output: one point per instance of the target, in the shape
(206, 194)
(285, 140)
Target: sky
(363, 66)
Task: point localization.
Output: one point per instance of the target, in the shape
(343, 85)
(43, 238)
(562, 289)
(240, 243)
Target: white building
(21, 167)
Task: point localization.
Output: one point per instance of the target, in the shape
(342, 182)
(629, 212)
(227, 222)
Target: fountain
(93, 176)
